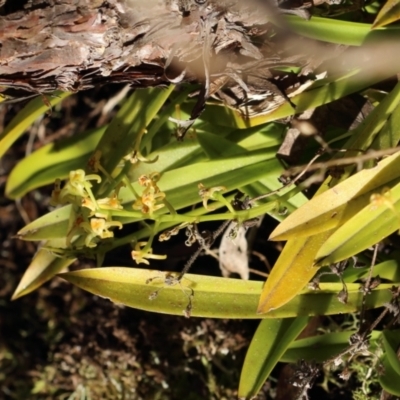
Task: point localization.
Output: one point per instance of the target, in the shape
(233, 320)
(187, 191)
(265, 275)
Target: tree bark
(71, 45)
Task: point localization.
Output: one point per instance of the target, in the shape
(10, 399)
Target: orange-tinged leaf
(292, 271)
(389, 13)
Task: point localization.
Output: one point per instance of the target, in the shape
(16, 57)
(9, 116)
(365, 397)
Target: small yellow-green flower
(107, 203)
(208, 194)
(140, 254)
(76, 188)
(98, 227)
(136, 156)
(151, 195)
(110, 203)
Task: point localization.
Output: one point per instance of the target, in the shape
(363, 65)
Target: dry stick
(204, 245)
(292, 182)
(366, 286)
(345, 161)
(310, 166)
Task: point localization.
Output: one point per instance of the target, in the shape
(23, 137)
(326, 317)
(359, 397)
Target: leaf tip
(19, 292)
(264, 310)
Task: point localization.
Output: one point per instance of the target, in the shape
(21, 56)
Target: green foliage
(134, 171)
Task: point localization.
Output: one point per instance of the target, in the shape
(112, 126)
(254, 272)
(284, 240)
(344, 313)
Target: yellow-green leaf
(213, 297)
(389, 13)
(372, 224)
(33, 110)
(338, 204)
(42, 268)
(52, 161)
(292, 271)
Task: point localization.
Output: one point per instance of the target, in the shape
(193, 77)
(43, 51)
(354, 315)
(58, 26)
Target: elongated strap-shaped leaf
(371, 225)
(213, 297)
(340, 32)
(51, 162)
(33, 110)
(389, 13)
(337, 205)
(269, 343)
(391, 342)
(389, 380)
(389, 269)
(42, 268)
(292, 271)
(322, 347)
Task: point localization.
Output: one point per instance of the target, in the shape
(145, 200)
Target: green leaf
(125, 131)
(391, 343)
(390, 378)
(52, 225)
(52, 161)
(371, 225)
(321, 347)
(33, 110)
(215, 146)
(213, 297)
(42, 268)
(269, 343)
(389, 269)
(337, 31)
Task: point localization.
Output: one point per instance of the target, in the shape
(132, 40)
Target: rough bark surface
(72, 45)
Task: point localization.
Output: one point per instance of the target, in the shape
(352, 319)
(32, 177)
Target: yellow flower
(98, 227)
(78, 185)
(208, 194)
(147, 204)
(140, 254)
(136, 156)
(110, 203)
(151, 180)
